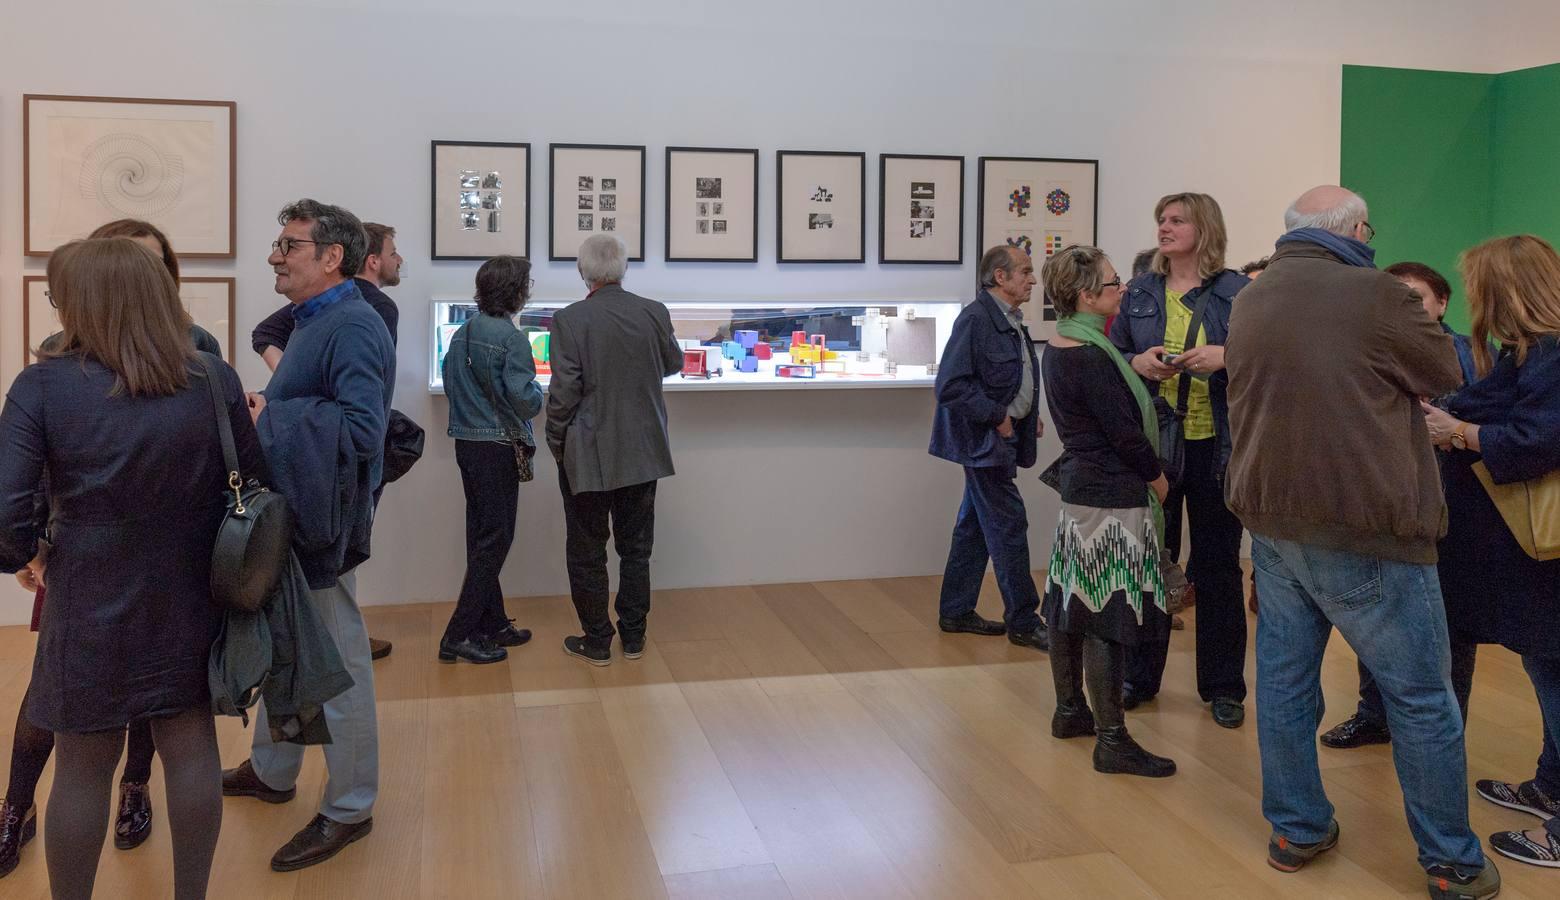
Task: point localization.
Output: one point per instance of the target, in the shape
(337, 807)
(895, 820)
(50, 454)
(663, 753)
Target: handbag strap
(1183, 392)
(224, 427)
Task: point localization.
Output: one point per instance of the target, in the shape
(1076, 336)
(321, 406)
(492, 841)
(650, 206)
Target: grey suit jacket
(606, 419)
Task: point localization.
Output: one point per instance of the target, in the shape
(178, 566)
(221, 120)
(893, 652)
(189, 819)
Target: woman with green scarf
(1103, 591)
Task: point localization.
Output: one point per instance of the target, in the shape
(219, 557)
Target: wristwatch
(1459, 439)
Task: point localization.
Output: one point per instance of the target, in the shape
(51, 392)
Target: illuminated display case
(794, 344)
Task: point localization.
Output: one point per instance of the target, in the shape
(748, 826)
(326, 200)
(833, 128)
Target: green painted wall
(1448, 159)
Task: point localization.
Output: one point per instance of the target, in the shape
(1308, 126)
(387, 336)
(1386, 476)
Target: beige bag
(1531, 510)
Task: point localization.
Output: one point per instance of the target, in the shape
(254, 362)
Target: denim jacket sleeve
(520, 388)
(959, 386)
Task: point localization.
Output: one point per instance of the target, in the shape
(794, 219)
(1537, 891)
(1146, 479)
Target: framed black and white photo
(90, 160)
(821, 206)
(210, 301)
(711, 205)
(1038, 206)
(920, 209)
(481, 200)
(595, 189)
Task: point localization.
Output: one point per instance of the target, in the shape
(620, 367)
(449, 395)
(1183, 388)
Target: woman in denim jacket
(490, 380)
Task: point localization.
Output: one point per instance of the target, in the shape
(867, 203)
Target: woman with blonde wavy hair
(1171, 329)
(1510, 420)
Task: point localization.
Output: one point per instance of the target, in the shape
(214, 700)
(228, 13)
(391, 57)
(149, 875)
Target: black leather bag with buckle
(1172, 419)
(255, 539)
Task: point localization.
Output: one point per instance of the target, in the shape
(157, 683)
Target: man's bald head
(1330, 208)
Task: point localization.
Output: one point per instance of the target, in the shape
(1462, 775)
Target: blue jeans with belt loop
(1391, 613)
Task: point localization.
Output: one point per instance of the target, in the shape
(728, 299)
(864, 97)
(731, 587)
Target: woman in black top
(1104, 591)
(120, 418)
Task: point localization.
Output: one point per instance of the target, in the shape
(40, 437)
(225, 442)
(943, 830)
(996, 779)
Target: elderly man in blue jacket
(988, 421)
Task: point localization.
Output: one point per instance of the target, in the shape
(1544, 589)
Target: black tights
(79, 804)
(1078, 658)
(31, 747)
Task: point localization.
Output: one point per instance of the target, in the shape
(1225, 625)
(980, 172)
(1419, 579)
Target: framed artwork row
(1038, 205)
(91, 160)
(210, 302)
(595, 189)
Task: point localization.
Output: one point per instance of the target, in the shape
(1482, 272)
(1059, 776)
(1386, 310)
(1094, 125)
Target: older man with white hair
(606, 426)
(1334, 474)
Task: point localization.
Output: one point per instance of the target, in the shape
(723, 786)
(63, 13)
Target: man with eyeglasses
(322, 421)
(988, 421)
(1334, 473)
(381, 269)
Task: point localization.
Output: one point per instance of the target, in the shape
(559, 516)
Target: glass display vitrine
(780, 345)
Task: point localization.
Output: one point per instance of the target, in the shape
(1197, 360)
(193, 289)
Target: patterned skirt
(1104, 576)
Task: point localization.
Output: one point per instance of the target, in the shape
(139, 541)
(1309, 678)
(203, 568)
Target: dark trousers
(630, 513)
(991, 525)
(1215, 569)
(492, 485)
(1464, 655)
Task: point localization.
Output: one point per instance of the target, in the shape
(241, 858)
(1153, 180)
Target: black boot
(1116, 753)
(1073, 717)
(1072, 721)
(17, 827)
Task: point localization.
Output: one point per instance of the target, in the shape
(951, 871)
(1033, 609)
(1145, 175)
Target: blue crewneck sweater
(341, 355)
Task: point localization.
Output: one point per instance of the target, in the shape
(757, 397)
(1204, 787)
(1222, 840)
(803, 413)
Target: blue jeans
(991, 524)
(1545, 674)
(1392, 615)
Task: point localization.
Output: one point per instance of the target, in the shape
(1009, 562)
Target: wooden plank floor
(802, 740)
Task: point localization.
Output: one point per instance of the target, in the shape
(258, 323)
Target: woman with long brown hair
(1508, 420)
(1181, 357)
(119, 416)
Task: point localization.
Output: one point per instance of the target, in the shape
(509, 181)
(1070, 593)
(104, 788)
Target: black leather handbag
(403, 445)
(1172, 419)
(255, 538)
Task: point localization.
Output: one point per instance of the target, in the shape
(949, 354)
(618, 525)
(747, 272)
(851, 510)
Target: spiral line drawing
(131, 176)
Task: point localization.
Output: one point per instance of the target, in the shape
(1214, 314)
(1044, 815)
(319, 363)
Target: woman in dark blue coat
(121, 420)
(1509, 420)
(1151, 332)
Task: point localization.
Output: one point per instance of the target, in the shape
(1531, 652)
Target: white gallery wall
(339, 100)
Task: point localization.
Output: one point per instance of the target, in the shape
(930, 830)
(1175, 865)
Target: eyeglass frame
(276, 245)
(49, 296)
(1370, 231)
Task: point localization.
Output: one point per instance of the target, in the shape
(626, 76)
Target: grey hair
(603, 259)
(1339, 220)
(1000, 258)
(332, 225)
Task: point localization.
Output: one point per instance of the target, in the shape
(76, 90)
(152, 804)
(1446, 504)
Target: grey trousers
(352, 758)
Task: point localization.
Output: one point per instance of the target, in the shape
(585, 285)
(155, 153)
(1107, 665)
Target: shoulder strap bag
(523, 451)
(1531, 510)
(1172, 436)
(255, 538)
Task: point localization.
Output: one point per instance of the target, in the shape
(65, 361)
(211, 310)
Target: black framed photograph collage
(481, 203)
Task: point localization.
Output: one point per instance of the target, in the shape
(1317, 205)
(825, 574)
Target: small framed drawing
(822, 206)
(595, 189)
(1038, 206)
(91, 160)
(920, 209)
(481, 199)
(210, 302)
(711, 205)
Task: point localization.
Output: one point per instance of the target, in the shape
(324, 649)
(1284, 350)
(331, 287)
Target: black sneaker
(1356, 731)
(574, 645)
(1288, 856)
(1518, 846)
(1446, 883)
(970, 623)
(1039, 639)
(633, 648)
(1525, 797)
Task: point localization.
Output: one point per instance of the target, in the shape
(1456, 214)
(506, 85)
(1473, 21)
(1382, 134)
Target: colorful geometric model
(1057, 202)
(732, 350)
(1023, 243)
(747, 338)
(1020, 200)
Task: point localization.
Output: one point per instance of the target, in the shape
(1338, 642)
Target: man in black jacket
(988, 421)
(381, 269)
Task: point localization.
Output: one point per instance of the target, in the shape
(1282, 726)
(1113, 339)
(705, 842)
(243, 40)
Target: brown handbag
(1531, 510)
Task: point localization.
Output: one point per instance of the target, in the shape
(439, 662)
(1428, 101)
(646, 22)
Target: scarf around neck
(1351, 251)
(1089, 328)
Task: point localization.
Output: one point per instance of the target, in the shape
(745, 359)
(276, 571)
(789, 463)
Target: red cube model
(762, 350)
(798, 338)
(694, 364)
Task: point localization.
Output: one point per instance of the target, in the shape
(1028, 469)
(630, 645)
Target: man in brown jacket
(1334, 474)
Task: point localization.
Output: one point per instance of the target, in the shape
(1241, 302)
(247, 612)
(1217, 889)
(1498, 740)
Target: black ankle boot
(1072, 720)
(17, 827)
(1116, 753)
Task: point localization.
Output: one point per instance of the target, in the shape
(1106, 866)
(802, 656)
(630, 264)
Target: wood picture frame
(211, 301)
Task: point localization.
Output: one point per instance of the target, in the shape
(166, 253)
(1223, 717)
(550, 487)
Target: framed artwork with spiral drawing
(91, 160)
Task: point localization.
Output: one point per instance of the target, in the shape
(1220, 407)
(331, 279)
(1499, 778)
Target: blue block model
(732, 350)
(747, 364)
(747, 339)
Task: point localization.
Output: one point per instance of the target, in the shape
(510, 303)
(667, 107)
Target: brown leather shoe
(378, 649)
(133, 825)
(243, 782)
(318, 841)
